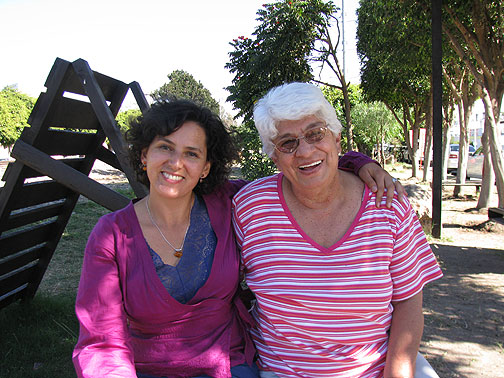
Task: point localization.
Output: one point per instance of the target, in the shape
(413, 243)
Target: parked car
(475, 164)
(453, 158)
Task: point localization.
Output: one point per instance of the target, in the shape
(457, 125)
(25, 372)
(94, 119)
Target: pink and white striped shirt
(325, 312)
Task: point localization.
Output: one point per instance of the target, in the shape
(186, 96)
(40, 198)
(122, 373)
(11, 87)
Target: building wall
(476, 126)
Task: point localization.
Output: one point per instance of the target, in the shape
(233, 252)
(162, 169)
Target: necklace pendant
(178, 253)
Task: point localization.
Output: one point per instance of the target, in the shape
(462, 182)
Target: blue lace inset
(193, 269)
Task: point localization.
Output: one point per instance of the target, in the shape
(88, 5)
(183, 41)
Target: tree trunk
(492, 109)
(382, 148)
(415, 159)
(427, 153)
(348, 117)
(488, 177)
(446, 150)
(447, 122)
(464, 115)
(428, 142)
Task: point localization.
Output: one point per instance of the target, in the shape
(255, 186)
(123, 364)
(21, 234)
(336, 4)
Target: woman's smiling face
(310, 165)
(176, 162)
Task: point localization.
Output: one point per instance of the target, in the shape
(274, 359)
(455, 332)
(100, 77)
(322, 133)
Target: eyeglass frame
(325, 128)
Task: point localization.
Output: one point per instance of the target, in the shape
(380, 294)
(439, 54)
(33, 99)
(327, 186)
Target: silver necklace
(178, 251)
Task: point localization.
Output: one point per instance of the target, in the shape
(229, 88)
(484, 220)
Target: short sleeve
(413, 263)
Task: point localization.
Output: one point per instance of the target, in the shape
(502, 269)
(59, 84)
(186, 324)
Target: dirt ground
(464, 311)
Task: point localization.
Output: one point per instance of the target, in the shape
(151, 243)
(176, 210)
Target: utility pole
(437, 117)
(343, 34)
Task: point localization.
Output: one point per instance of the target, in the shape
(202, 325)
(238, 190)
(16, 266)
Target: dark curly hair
(167, 116)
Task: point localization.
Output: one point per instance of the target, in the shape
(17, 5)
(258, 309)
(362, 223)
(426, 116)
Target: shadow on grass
(463, 309)
(37, 338)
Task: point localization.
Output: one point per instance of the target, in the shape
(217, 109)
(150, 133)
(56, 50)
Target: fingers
(379, 181)
(379, 192)
(368, 180)
(390, 185)
(401, 192)
(377, 184)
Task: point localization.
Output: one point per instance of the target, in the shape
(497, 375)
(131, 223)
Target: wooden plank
(109, 125)
(108, 157)
(108, 85)
(36, 193)
(12, 185)
(72, 179)
(59, 72)
(139, 96)
(32, 215)
(65, 142)
(27, 172)
(496, 214)
(460, 184)
(73, 114)
(20, 259)
(29, 237)
(16, 278)
(13, 296)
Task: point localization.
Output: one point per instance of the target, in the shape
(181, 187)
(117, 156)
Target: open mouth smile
(311, 165)
(171, 177)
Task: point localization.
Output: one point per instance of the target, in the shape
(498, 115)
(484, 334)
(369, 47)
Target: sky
(134, 40)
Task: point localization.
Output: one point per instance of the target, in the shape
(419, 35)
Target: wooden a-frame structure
(53, 159)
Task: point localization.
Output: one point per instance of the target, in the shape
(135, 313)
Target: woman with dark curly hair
(158, 290)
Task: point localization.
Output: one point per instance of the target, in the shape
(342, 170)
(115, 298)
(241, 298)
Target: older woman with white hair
(338, 280)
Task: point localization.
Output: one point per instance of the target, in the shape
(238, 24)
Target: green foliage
(279, 52)
(124, 118)
(183, 85)
(15, 108)
(335, 97)
(254, 163)
(374, 125)
(394, 46)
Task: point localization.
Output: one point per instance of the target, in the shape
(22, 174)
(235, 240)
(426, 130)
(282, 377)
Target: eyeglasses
(290, 145)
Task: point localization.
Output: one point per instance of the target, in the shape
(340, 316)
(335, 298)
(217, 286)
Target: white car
(453, 158)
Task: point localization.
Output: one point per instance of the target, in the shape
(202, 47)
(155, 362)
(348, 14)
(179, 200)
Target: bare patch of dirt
(464, 311)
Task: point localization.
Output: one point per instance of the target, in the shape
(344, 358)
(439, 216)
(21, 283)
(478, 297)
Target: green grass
(37, 338)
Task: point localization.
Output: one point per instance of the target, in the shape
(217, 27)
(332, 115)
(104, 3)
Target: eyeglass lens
(311, 136)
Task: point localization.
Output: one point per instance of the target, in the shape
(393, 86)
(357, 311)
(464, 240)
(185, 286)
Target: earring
(144, 167)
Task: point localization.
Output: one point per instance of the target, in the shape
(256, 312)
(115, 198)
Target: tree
(377, 126)
(183, 85)
(124, 118)
(292, 36)
(15, 108)
(394, 48)
(488, 172)
(465, 92)
(475, 30)
(341, 103)
(448, 112)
